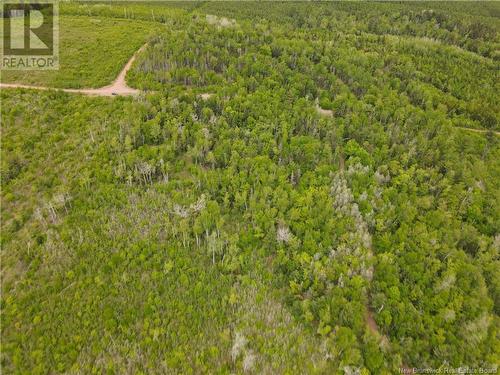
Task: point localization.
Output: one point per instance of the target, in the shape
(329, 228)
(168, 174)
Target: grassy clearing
(92, 50)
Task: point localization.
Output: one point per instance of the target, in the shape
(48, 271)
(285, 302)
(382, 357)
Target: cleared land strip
(329, 113)
(480, 130)
(119, 86)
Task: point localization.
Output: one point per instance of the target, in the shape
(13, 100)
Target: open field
(118, 87)
(290, 190)
(93, 50)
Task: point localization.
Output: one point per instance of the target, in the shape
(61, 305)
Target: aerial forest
(296, 188)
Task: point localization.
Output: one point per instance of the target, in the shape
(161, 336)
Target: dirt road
(118, 87)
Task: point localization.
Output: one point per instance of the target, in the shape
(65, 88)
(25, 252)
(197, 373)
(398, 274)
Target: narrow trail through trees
(483, 131)
(329, 113)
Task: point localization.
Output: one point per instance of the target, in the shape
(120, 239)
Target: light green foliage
(249, 231)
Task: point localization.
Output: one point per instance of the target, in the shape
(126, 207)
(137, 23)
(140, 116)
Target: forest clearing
(118, 87)
(233, 188)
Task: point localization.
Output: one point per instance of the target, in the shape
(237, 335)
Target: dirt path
(479, 130)
(119, 86)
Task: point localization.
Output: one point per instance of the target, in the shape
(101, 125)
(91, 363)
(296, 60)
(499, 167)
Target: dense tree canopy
(294, 192)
